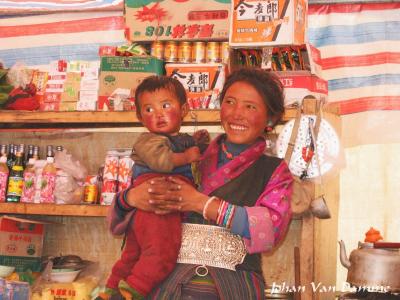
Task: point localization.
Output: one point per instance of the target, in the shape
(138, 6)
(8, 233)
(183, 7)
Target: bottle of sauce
(29, 155)
(16, 180)
(4, 171)
(10, 156)
(48, 182)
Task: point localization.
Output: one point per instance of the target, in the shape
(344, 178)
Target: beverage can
(224, 52)
(212, 53)
(185, 52)
(90, 191)
(124, 172)
(199, 52)
(171, 51)
(157, 49)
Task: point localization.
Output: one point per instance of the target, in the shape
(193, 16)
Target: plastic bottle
(4, 171)
(28, 191)
(48, 181)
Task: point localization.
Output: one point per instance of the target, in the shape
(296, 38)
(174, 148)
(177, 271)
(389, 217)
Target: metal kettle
(373, 265)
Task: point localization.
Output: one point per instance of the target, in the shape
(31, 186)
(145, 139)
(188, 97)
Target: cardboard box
(265, 23)
(300, 84)
(177, 20)
(124, 73)
(68, 106)
(71, 87)
(21, 243)
(82, 105)
(88, 96)
(203, 82)
(50, 106)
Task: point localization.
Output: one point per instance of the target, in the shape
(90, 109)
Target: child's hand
(201, 137)
(192, 154)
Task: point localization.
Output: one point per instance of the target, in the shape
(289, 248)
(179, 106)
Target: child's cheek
(148, 121)
(173, 116)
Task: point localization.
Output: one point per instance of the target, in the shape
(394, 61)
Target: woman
(242, 190)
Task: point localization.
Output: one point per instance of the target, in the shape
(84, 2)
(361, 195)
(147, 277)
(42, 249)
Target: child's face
(243, 113)
(161, 111)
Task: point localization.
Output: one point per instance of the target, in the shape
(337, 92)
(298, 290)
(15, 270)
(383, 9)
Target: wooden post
(307, 256)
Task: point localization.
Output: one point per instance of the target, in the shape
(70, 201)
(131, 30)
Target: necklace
(225, 150)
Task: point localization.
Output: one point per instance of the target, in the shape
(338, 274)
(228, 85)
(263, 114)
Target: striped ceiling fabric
(360, 49)
(37, 40)
(17, 6)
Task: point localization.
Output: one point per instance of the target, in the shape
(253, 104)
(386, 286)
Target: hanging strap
(293, 136)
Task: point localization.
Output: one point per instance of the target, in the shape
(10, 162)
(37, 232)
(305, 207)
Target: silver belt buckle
(208, 245)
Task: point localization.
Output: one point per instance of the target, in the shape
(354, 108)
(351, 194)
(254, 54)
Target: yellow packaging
(264, 23)
(78, 290)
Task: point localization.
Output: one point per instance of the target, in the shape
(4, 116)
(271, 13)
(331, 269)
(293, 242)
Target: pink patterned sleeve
(269, 218)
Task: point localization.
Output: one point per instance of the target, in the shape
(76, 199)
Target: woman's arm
(261, 226)
(269, 218)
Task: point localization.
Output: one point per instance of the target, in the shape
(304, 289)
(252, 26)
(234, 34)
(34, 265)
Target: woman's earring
(269, 126)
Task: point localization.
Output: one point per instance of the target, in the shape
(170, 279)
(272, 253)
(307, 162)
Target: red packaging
(124, 172)
(107, 50)
(110, 178)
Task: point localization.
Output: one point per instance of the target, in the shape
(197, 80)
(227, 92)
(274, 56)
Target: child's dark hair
(153, 83)
(267, 85)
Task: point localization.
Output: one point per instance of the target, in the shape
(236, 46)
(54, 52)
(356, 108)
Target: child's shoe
(128, 292)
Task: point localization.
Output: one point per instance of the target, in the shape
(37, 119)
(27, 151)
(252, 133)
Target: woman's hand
(171, 194)
(139, 196)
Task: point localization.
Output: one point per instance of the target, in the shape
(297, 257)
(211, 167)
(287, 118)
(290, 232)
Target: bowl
(63, 275)
(6, 271)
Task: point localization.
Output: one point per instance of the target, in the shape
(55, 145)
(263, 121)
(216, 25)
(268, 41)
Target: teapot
(373, 265)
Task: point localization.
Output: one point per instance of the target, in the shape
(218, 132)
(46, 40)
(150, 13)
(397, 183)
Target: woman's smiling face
(243, 113)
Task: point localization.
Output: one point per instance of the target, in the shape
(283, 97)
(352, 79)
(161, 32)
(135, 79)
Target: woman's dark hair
(267, 85)
(153, 83)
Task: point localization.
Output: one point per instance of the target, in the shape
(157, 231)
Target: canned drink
(199, 52)
(157, 49)
(171, 51)
(90, 194)
(224, 52)
(124, 172)
(90, 191)
(185, 52)
(212, 53)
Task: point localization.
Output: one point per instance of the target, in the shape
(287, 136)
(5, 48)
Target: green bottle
(15, 180)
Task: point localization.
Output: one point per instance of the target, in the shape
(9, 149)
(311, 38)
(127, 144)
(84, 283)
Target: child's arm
(190, 155)
(154, 150)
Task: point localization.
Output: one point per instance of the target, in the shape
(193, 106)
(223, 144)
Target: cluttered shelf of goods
(80, 210)
(202, 116)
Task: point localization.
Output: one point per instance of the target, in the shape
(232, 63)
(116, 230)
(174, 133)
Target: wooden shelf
(54, 209)
(96, 117)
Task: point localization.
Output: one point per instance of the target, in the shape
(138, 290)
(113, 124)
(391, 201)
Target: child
(153, 241)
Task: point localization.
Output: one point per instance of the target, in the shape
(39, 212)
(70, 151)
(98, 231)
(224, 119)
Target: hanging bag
(303, 190)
